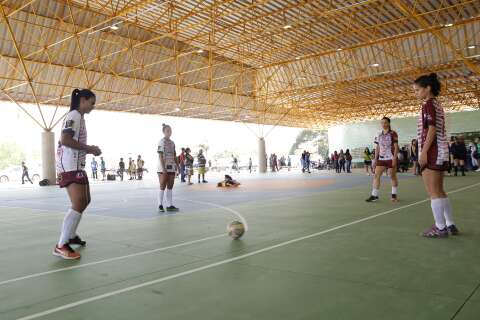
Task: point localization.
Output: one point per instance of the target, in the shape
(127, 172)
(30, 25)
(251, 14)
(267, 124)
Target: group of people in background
(305, 161)
(134, 170)
(341, 161)
(186, 165)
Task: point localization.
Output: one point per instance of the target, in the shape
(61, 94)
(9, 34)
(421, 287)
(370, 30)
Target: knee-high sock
(447, 211)
(78, 217)
(169, 197)
(463, 169)
(160, 197)
(68, 226)
(437, 209)
(394, 190)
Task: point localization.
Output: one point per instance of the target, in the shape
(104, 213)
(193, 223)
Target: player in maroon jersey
(434, 155)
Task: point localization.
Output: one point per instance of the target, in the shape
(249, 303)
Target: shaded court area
(314, 249)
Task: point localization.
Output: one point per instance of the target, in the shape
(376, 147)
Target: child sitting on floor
(228, 182)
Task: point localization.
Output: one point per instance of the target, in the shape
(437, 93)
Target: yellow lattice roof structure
(283, 62)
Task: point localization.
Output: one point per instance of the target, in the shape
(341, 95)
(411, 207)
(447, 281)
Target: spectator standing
(202, 163)
(94, 166)
(140, 165)
(25, 173)
(121, 168)
(103, 168)
(348, 159)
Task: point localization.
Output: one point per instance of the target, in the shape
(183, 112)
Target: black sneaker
(160, 208)
(453, 230)
(394, 198)
(372, 199)
(172, 208)
(205, 181)
(77, 241)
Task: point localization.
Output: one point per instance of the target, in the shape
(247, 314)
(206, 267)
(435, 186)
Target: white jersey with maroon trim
(386, 142)
(166, 147)
(69, 159)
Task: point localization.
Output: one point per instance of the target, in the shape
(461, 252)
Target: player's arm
(67, 140)
(395, 153)
(177, 162)
(161, 156)
(431, 133)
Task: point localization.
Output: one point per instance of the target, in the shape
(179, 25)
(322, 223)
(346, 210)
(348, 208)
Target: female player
(167, 168)
(434, 155)
(385, 158)
(71, 153)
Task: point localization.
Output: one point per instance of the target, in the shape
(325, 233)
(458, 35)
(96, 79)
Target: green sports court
(309, 253)
(293, 100)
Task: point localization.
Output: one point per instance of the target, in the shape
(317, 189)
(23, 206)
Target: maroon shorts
(384, 163)
(434, 166)
(168, 173)
(67, 178)
(432, 156)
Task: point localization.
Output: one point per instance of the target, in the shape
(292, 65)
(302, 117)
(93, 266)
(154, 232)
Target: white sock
(78, 217)
(375, 192)
(394, 190)
(169, 197)
(67, 227)
(437, 208)
(447, 211)
(160, 197)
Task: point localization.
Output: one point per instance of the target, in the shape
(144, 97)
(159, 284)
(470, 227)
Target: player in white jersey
(385, 159)
(71, 154)
(167, 168)
(434, 155)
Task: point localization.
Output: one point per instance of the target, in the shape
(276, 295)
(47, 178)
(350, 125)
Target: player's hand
(94, 150)
(423, 159)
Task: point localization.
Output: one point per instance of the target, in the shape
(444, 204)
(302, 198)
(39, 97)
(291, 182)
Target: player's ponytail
(431, 81)
(164, 127)
(77, 94)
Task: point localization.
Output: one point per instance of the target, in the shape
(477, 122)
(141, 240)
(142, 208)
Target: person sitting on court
(228, 182)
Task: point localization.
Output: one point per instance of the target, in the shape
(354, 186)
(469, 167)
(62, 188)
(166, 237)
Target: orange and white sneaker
(66, 252)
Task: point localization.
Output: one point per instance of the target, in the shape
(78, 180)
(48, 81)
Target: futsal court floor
(314, 249)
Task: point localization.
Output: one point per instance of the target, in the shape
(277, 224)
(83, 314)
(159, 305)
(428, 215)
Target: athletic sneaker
(66, 252)
(205, 181)
(77, 241)
(453, 230)
(160, 208)
(394, 198)
(434, 232)
(172, 208)
(372, 199)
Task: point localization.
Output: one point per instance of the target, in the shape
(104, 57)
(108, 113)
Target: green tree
(319, 139)
(10, 154)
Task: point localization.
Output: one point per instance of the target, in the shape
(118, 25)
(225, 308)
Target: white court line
(242, 219)
(219, 263)
(36, 275)
(88, 213)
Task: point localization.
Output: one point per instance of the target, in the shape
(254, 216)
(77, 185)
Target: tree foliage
(10, 154)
